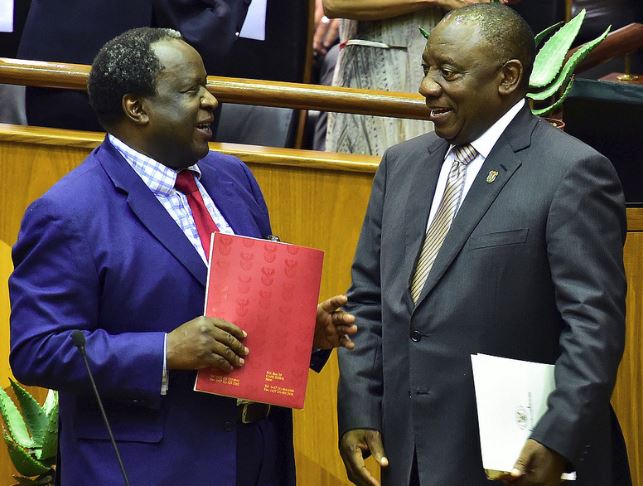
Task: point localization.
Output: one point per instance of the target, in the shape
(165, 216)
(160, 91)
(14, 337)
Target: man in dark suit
(498, 234)
(74, 30)
(113, 250)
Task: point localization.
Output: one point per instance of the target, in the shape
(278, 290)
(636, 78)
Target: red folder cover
(270, 290)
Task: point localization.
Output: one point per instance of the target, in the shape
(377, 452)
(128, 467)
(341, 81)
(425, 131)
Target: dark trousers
(258, 454)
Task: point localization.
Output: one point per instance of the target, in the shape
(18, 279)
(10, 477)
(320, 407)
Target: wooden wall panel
(318, 200)
(628, 393)
(324, 209)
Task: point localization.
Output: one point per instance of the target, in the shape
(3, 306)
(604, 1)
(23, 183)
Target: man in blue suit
(113, 250)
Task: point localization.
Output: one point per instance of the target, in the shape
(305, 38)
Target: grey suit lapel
(505, 160)
(416, 212)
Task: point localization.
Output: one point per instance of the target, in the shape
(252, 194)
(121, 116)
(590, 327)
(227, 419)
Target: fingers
(353, 445)
(537, 465)
(332, 34)
(205, 342)
(334, 326)
(333, 306)
(318, 38)
(334, 303)
(228, 327)
(374, 442)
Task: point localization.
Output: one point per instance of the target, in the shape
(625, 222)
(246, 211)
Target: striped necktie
(441, 223)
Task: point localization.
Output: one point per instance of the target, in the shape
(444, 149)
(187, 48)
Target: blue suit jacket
(99, 253)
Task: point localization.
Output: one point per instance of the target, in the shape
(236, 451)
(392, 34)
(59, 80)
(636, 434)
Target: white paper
(254, 27)
(511, 396)
(6, 15)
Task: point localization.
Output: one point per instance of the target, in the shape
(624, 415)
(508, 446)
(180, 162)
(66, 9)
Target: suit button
(228, 426)
(416, 336)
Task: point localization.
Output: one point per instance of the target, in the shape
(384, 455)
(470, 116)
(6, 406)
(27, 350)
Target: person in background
(74, 30)
(379, 47)
(325, 51)
(113, 250)
(496, 234)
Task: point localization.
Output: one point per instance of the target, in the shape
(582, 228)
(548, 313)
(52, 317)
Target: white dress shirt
(483, 146)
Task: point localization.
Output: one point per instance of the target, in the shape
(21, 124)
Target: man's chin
(201, 152)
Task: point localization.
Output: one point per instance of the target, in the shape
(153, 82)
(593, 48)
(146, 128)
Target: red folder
(270, 290)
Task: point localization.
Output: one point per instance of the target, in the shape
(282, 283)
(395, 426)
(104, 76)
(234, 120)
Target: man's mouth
(204, 129)
(438, 114)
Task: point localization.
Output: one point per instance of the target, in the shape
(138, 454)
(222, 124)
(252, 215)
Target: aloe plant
(551, 77)
(31, 436)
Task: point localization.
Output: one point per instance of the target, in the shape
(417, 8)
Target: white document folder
(511, 396)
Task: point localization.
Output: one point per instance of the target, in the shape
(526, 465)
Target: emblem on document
(491, 176)
(522, 417)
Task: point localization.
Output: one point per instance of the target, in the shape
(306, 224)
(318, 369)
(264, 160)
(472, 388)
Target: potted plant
(552, 76)
(31, 435)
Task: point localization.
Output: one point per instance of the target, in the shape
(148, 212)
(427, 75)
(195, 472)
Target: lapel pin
(491, 176)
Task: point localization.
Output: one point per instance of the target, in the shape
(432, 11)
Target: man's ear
(511, 74)
(134, 109)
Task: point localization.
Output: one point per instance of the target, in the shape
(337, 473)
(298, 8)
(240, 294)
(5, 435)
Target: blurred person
(74, 30)
(380, 44)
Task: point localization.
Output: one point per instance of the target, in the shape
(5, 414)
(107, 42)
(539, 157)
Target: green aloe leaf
(22, 460)
(551, 56)
(50, 438)
(43, 480)
(14, 421)
(424, 32)
(545, 33)
(568, 70)
(51, 402)
(557, 104)
(33, 413)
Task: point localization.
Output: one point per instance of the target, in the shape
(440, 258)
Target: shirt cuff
(165, 380)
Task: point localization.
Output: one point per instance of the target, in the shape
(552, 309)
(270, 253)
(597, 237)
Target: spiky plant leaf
(50, 438)
(551, 56)
(567, 71)
(43, 480)
(557, 104)
(24, 463)
(424, 32)
(33, 413)
(545, 33)
(14, 421)
(50, 402)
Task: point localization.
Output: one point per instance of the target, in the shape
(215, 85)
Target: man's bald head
(507, 33)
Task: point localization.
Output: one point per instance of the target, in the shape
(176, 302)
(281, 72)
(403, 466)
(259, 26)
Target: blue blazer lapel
(416, 212)
(150, 212)
(505, 160)
(231, 200)
(225, 200)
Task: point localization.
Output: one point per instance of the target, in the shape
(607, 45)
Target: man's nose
(208, 101)
(428, 87)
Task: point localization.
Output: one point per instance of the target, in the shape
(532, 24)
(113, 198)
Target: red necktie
(205, 225)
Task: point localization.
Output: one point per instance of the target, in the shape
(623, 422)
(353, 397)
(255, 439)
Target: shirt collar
(485, 142)
(159, 178)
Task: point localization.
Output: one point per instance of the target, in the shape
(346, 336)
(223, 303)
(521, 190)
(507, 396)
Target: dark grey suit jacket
(531, 269)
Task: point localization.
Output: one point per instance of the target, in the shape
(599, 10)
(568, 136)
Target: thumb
(374, 441)
(520, 467)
